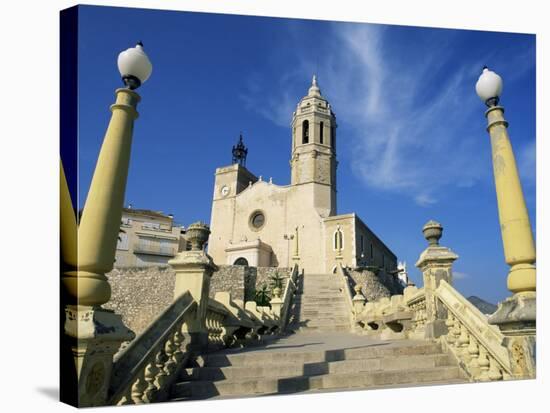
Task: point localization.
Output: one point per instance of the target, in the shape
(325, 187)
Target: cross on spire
(239, 152)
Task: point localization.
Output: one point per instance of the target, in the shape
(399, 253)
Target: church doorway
(241, 261)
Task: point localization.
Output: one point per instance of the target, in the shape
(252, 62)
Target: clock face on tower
(225, 190)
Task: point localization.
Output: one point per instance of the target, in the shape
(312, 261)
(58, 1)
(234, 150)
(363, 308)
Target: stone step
(322, 283)
(324, 328)
(312, 320)
(313, 312)
(329, 299)
(287, 368)
(327, 307)
(309, 299)
(322, 306)
(322, 315)
(321, 291)
(244, 387)
(384, 349)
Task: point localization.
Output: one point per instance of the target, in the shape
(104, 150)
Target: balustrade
(150, 363)
(477, 345)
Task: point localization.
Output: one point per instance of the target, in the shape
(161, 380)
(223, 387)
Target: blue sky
(412, 139)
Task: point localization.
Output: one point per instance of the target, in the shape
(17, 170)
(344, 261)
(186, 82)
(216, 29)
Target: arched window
(338, 240)
(321, 129)
(241, 261)
(305, 131)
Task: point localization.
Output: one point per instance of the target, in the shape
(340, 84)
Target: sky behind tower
(412, 144)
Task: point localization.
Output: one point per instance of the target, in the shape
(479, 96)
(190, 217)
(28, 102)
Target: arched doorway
(241, 261)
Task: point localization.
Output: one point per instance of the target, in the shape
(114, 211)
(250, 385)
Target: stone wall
(242, 282)
(375, 286)
(229, 278)
(140, 294)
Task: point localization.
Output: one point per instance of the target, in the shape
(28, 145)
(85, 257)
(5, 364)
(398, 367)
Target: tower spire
(314, 88)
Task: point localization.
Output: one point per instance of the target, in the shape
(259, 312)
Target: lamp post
(296, 256)
(519, 247)
(95, 334)
(515, 316)
(288, 238)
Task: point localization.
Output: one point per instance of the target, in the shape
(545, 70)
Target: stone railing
(476, 344)
(144, 370)
(218, 335)
(395, 317)
(346, 289)
(415, 299)
(280, 306)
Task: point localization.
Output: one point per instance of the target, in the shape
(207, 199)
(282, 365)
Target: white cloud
(457, 275)
(527, 158)
(412, 118)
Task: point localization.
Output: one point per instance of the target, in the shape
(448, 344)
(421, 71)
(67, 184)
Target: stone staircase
(322, 355)
(316, 362)
(319, 305)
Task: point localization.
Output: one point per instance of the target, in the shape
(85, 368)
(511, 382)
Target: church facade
(259, 223)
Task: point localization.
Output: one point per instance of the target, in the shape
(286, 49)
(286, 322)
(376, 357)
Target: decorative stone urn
(277, 292)
(432, 232)
(197, 234)
(357, 289)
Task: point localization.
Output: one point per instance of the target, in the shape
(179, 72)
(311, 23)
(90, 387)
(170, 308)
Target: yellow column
(519, 247)
(68, 226)
(100, 222)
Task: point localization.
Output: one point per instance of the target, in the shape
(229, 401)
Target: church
(261, 224)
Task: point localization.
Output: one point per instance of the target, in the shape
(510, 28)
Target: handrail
(418, 296)
(489, 336)
(347, 288)
(215, 306)
(129, 366)
(290, 288)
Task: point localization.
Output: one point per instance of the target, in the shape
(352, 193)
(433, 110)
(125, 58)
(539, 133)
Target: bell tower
(313, 162)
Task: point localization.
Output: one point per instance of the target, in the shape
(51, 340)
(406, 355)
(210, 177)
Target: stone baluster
(455, 332)
(126, 397)
(170, 365)
(160, 360)
(450, 325)
(494, 372)
(179, 339)
(473, 352)
(463, 342)
(484, 363)
(139, 387)
(358, 300)
(151, 372)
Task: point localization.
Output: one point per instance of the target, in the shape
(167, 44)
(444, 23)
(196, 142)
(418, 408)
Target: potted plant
(276, 284)
(262, 297)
